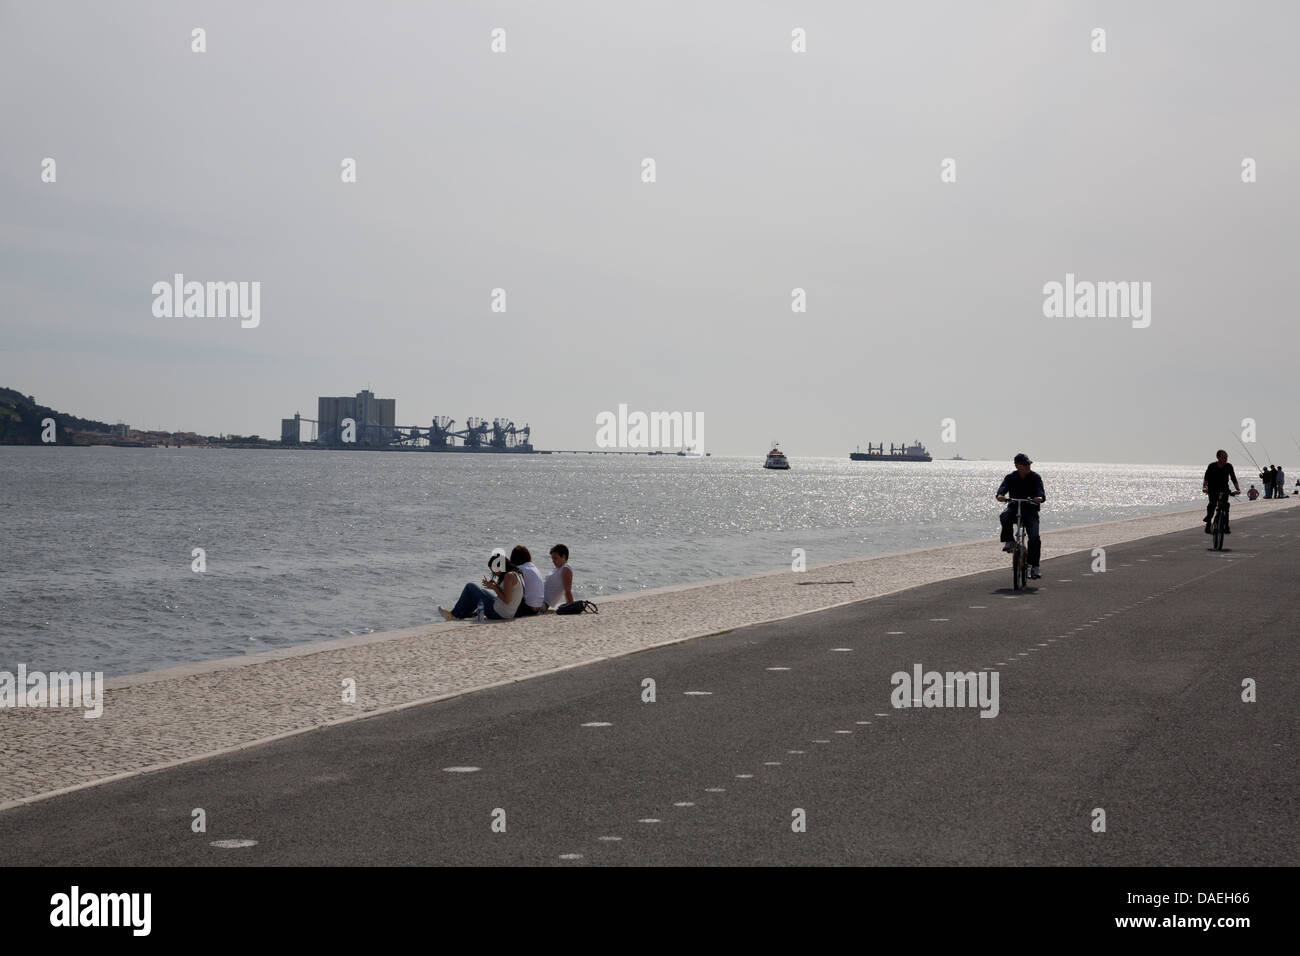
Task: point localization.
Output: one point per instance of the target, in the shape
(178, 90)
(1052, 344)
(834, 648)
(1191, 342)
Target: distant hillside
(21, 417)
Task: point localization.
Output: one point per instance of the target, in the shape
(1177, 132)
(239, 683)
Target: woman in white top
(500, 594)
(559, 583)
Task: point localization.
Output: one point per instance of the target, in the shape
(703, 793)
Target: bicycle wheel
(1017, 569)
(1218, 532)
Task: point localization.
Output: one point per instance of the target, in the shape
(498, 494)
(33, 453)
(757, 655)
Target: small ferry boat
(776, 459)
(689, 452)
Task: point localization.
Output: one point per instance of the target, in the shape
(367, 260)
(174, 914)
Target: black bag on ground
(577, 607)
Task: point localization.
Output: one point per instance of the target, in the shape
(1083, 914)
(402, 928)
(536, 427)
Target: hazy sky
(775, 170)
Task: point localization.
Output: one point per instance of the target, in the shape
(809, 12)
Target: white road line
(598, 723)
(460, 769)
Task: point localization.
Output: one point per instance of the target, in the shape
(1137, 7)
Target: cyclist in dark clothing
(1023, 483)
(1217, 476)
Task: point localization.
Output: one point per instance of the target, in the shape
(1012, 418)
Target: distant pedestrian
(1253, 494)
(1266, 476)
(1279, 483)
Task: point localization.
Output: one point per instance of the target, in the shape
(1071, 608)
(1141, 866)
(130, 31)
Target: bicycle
(1219, 524)
(1020, 551)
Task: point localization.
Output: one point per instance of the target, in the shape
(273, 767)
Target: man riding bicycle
(1217, 475)
(1023, 483)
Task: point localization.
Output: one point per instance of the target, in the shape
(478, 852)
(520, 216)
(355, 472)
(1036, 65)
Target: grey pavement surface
(1119, 690)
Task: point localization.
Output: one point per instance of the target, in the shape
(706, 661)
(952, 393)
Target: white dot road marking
(1001, 664)
(934, 619)
(821, 741)
(778, 668)
(844, 731)
(598, 723)
(698, 693)
(1064, 580)
(744, 776)
(649, 820)
(1042, 645)
(610, 839)
(896, 632)
(882, 715)
(841, 648)
(232, 844)
(771, 763)
(460, 769)
(570, 856)
(796, 751)
(862, 721)
(684, 803)
(977, 607)
(715, 790)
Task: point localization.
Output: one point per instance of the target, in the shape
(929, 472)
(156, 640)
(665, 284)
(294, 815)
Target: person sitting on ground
(1253, 493)
(534, 602)
(1023, 483)
(1217, 475)
(500, 595)
(559, 583)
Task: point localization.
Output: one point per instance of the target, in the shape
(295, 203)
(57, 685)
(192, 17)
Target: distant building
(375, 418)
(291, 430)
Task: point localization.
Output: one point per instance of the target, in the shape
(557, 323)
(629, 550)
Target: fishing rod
(1266, 454)
(1246, 450)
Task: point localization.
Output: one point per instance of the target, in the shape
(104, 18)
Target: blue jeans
(1030, 519)
(467, 604)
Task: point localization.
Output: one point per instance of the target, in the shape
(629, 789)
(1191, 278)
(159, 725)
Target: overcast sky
(775, 170)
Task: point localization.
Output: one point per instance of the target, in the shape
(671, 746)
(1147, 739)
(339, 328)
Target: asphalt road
(1119, 690)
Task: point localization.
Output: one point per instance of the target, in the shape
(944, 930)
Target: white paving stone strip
(163, 718)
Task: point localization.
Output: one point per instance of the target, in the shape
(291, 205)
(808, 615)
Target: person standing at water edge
(1279, 483)
(1266, 476)
(533, 602)
(1023, 483)
(1217, 475)
(559, 583)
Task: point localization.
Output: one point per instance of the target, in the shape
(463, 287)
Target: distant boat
(956, 458)
(689, 452)
(776, 459)
(913, 452)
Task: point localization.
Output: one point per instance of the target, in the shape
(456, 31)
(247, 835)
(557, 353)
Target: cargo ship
(913, 452)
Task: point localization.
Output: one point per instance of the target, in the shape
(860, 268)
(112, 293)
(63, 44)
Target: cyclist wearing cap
(1023, 483)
